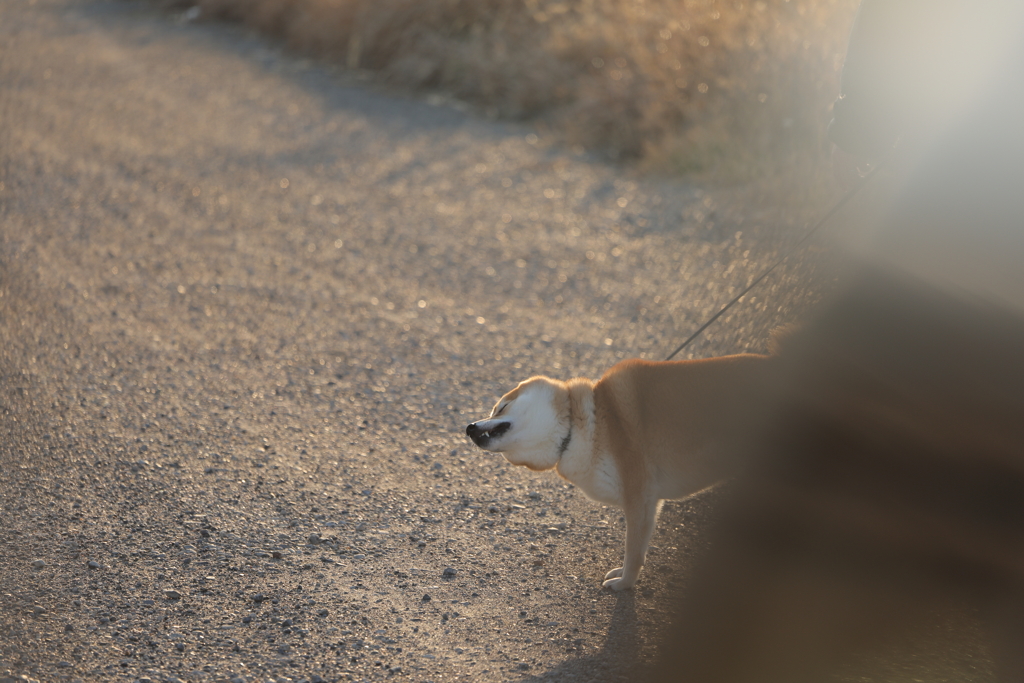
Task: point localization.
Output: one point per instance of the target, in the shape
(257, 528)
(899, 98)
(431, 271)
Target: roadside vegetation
(726, 89)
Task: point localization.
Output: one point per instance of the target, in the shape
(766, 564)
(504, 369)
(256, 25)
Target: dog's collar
(565, 442)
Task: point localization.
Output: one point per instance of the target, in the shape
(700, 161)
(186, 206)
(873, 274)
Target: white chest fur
(590, 466)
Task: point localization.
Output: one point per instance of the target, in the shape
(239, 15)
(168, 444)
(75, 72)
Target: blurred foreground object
(889, 484)
(913, 67)
(886, 481)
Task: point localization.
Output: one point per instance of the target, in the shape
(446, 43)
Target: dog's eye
(500, 409)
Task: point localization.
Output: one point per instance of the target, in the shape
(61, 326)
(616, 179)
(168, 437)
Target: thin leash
(850, 194)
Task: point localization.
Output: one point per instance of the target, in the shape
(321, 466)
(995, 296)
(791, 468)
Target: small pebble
(39, 564)
(426, 597)
(449, 573)
(93, 564)
(171, 594)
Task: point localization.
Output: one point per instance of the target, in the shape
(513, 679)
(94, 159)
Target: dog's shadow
(619, 658)
(626, 654)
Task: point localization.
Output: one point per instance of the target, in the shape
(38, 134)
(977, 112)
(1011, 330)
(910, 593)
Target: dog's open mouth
(498, 430)
(481, 437)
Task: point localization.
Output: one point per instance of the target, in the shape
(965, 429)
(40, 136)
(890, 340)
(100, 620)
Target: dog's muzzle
(481, 437)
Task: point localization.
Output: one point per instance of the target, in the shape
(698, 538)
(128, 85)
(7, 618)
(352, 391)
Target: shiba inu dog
(645, 432)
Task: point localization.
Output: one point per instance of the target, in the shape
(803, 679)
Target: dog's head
(527, 425)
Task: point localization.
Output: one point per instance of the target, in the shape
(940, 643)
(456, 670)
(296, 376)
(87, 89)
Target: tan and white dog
(645, 432)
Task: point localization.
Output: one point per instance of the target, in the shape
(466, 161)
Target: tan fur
(645, 432)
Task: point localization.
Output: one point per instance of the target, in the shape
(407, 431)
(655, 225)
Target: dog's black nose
(472, 429)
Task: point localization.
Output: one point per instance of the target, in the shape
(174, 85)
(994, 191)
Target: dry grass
(732, 88)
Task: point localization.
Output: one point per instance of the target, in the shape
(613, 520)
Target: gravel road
(248, 304)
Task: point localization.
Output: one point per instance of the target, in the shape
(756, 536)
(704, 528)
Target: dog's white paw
(614, 574)
(618, 584)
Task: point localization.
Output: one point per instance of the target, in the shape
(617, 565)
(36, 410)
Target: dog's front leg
(640, 520)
